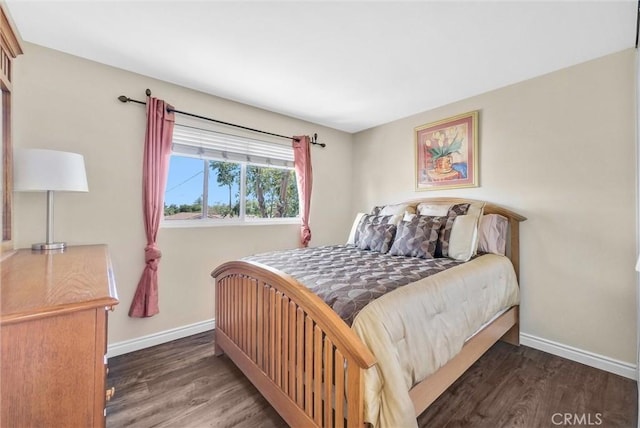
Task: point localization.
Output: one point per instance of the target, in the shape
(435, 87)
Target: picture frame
(447, 153)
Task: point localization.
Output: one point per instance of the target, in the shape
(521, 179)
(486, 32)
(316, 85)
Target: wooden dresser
(53, 329)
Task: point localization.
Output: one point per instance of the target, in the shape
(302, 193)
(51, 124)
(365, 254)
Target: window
(220, 178)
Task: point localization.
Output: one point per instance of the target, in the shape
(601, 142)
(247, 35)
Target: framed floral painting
(447, 153)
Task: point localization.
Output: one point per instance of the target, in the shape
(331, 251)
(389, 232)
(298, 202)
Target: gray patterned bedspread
(348, 278)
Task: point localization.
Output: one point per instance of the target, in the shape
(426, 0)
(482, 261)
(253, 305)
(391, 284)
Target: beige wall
(63, 102)
(559, 149)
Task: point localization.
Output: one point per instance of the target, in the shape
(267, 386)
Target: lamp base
(43, 246)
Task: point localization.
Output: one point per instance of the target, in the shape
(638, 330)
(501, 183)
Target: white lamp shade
(36, 170)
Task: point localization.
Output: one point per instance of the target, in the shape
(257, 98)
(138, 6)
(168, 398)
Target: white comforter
(417, 328)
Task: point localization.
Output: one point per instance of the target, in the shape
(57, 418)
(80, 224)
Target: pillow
(377, 237)
(433, 209)
(463, 241)
(393, 209)
(397, 209)
(373, 219)
(354, 227)
(492, 234)
(442, 208)
(464, 238)
(408, 217)
(417, 238)
(453, 211)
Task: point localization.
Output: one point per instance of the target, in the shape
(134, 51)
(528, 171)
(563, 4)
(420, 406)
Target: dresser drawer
(48, 370)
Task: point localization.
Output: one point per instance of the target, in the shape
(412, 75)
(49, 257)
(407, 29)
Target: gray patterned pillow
(377, 237)
(442, 247)
(417, 237)
(369, 219)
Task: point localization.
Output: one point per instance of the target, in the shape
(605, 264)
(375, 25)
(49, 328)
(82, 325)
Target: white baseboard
(154, 339)
(581, 356)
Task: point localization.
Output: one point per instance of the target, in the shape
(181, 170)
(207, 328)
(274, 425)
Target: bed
(320, 364)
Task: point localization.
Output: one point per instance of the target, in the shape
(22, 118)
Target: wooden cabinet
(53, 330)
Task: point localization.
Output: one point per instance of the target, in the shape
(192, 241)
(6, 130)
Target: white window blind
(226, 147)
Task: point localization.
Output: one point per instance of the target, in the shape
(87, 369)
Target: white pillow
(476, 209)
(397, 209)
(463, 242)
(352, 235)
(436, 210)
(408, 217)
(441, 209)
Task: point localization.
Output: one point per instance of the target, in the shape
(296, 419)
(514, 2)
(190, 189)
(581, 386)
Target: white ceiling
(346, 65)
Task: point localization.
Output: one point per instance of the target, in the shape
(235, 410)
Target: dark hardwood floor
(182, 384)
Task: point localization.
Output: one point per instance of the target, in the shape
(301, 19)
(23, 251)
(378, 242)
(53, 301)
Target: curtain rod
(313, 140)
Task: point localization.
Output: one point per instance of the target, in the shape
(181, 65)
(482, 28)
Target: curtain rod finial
(123, 98)
(314, 140)
(148, 92)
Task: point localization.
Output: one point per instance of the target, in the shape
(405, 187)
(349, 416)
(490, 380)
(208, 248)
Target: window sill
(180, 224)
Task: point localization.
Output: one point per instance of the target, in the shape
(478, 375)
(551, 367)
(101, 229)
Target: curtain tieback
(152, 256)
(306, 235)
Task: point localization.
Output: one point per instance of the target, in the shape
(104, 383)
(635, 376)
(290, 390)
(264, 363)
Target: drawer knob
(110, 393)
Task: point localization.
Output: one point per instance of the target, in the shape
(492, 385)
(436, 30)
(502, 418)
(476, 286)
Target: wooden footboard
(292, 346)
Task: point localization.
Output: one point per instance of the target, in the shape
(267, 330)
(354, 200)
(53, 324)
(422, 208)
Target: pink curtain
(304, 178)
(157, 151)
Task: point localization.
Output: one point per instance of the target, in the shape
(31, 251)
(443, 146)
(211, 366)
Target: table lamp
(39, 170)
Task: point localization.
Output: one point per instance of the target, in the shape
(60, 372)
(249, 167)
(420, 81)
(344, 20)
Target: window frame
(241, 220)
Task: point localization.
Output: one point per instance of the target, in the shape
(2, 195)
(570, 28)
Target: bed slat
(328, 382)
(272, 333)
(339, 389)
(253, 346)
(300, 358)
(265, 328)
(308, 366)
(243, 315)
(260, 317)
(355, 405)
(292, 350)
(278, 340)
(317, 375)
(285, 345)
